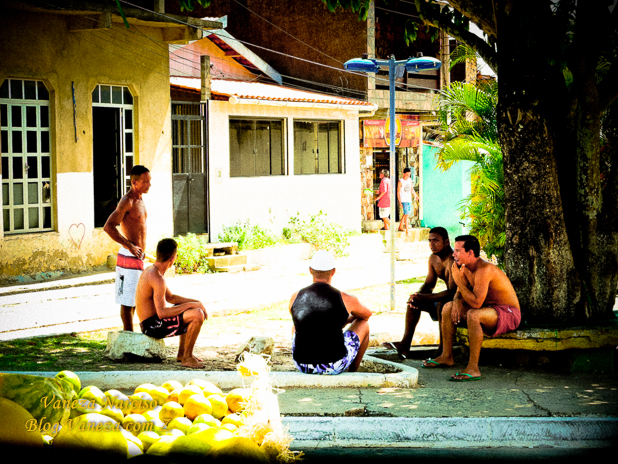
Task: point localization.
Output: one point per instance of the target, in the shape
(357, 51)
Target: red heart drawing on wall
(77, 233)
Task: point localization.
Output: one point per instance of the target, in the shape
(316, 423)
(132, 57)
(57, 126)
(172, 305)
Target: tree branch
(480, 12)
(479, 45)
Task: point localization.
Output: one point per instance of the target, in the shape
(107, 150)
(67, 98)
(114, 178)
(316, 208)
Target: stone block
(257, 345)
(132, 346)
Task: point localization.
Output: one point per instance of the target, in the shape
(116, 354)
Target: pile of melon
(173, 420)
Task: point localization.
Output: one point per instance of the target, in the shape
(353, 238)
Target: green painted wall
(442, 192)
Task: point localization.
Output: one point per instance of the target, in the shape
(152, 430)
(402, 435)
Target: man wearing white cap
(320, 312)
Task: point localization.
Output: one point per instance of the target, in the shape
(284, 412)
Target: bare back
(150, 282)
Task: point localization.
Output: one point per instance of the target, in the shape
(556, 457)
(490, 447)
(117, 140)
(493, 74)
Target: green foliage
(461, 54)
(249, 237)
(469, 132)
(320, 233)
(191, 255)
(190, 4)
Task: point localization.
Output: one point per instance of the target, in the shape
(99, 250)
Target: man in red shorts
(157, 320)
(485, 301)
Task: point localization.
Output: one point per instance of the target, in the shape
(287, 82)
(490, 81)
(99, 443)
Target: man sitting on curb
(440, 263)
(485, 301)
(320, 312)
(157, 320)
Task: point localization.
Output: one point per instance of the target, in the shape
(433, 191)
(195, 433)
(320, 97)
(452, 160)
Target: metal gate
(190, 167)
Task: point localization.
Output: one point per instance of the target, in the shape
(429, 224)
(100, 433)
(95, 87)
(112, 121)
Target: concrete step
(217, 262)
(226, 248)
(411, 247)
(239, 268)
(416, 234)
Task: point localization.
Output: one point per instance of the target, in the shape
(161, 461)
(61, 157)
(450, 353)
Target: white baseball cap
(322, 261)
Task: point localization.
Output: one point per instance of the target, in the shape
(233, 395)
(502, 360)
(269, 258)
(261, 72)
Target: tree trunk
(561, 241)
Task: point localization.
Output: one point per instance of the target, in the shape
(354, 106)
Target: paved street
(88, 307)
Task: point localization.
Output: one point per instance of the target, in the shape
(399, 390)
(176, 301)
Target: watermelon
(47, 399)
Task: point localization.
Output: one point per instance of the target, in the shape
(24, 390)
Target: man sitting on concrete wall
(320, 312)
(440, 263)
(485, 301)
(184, 318)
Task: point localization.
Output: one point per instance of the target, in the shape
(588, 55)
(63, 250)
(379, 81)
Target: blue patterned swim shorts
(352, 344)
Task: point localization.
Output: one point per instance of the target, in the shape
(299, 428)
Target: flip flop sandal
(470, 378)
(432, 361)
(392, 346)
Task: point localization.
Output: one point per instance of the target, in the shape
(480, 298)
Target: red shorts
(509, 318)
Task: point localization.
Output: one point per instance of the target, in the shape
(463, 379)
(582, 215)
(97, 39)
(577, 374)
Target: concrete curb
(105, 380)
(444, 432)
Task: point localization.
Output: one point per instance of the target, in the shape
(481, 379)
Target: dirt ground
(217, 349)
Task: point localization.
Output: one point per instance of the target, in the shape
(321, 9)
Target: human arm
(114, 220)
(399, 191)
(356, 310)
(178, 300)
(159, 296)
(474, 297)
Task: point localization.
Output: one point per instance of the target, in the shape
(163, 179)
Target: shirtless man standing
(184, 318)
(440, 263)
(131, 216)
(485, 301)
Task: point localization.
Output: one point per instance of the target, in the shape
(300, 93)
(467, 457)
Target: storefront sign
(376, 133)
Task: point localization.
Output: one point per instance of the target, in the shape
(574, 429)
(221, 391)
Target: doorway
(107, 162)
(189, 167)
(113, 148)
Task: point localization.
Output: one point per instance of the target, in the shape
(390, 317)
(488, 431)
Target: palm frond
(461, 54)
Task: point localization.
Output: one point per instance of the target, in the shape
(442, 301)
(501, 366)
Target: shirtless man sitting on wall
(485, 301)
(440, 263)
(157, 320)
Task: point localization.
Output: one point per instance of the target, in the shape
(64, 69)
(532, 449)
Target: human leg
(477, 320)
(194, 318)
(361, 328)
(447, 338)
(126, 314)
(413, 315)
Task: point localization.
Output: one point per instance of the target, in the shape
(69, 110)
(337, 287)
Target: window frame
(298, 161)
(283, 144)
(43, 203)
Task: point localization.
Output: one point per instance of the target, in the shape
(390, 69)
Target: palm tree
(468, 131)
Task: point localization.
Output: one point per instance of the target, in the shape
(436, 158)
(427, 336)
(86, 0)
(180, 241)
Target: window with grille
(256, 148)
(26, 156)
(317, 147)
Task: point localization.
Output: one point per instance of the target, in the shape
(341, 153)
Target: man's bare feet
(192, 362)
(180, 357)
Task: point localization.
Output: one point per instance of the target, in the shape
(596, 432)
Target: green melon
(48, 398)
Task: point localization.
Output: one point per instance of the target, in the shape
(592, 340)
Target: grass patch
(56, 353)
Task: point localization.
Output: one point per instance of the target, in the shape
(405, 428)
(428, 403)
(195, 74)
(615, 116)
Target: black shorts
(430, 307)
(163, 328)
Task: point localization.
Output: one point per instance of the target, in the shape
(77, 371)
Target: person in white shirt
(404, 195)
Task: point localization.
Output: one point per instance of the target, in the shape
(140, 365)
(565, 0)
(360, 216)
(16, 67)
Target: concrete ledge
(548, 339)
(443, 432)
(407, 377)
